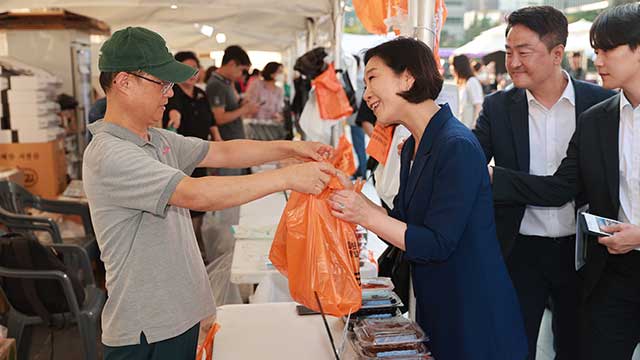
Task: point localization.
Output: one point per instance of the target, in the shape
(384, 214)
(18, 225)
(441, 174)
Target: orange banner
(373, 12)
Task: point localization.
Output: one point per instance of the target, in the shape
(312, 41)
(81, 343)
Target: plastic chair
(85, 315)
(17, 200)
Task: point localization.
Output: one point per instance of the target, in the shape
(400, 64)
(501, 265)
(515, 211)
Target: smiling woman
(443, 214)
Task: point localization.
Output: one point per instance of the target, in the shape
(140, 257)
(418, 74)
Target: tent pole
(338, 24)
(311, 34)
(425, 26)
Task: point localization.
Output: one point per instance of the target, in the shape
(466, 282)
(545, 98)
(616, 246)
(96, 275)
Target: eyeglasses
(166, 85)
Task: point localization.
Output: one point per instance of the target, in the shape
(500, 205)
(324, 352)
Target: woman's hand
(351, 206)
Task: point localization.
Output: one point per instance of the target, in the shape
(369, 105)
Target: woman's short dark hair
(237, 54)
(616, 26)
(548, 22)
(186, 55)
(402, 54)
(462, 66)
(270, 69)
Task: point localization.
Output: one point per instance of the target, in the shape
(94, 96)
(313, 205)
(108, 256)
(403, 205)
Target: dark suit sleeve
(482, 131)
(456, 182)
(515, 187)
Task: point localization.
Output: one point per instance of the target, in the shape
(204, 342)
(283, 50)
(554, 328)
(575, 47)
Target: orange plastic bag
(343, 157)
(206, 349)
(380, 143)
(319, 254)
(332, 100)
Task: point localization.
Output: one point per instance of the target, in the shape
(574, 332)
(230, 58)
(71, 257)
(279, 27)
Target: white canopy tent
(486, 42)
(253, 24)
(493, 40)
(578, 39)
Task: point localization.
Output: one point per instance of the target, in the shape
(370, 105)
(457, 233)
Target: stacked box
(33, 111)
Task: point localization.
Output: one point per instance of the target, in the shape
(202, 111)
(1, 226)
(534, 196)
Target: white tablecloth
(275, 332)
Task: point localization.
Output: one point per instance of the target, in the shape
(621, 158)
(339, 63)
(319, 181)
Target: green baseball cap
(137, 48)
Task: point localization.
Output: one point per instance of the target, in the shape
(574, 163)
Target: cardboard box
(34, 110)
(35, 122)
(12, 174)
(44, 165)
(16, 97)
(8, 136)
(39, 135)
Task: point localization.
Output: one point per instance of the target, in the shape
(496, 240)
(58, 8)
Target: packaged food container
(397, 330)
(376, 295)
(381, 300)
(355, 320)
(377, 284)
(411, 351)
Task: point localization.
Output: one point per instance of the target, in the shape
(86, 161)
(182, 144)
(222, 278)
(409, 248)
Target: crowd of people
(489, 245)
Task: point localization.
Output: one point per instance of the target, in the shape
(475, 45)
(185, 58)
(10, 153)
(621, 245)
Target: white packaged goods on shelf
(29, 123)
(38, 136)
(16, 97)
(34, 109)
(6, 136)
(25, 82)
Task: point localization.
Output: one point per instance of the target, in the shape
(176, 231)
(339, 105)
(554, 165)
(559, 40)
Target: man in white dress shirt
(527, 129)
(602, 166)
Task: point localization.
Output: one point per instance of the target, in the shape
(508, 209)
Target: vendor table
(275, 331)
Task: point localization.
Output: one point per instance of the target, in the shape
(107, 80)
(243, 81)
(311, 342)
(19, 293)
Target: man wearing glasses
(139, 196)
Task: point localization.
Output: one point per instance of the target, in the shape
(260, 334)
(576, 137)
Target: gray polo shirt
(156, 280)
(221, 93)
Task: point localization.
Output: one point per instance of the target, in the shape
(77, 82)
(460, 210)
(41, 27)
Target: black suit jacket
(591, 168)
(503, 132)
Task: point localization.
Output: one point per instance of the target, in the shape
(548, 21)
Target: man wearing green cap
(139, 197)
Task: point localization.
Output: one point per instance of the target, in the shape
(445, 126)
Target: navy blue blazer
(503, 131)
(465, 300)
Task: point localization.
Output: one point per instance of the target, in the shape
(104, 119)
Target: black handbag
(392, 264)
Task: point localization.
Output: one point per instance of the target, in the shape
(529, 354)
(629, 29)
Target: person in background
(357, 133)
(188, 112)
(207, 74)
(527, 129)
(225, 100)
(201, 82)
(443, 213)
(575, 63)
(268, 95)
(601, 167)
(470, 94)
(255, 75)
(68, 105)
(136, 182)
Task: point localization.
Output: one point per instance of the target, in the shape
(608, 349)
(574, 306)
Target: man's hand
(625, 238)
(309, 178)
(249, 108)
(307, 150)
